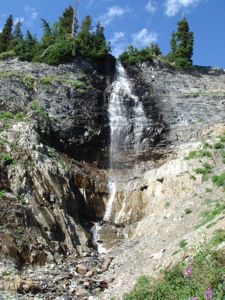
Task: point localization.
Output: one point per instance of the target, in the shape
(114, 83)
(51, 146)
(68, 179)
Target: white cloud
(118, 44)
(151, 6)
(112, 13)
(172, 7)
(32, 15)
(117, 36)
(144, 38)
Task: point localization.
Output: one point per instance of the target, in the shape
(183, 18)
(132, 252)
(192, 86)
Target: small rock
(81, 292)
(86, 284)
(81, 270)
(91, 273)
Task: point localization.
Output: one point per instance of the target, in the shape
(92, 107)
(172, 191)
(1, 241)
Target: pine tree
(66, 21)
(27, 49)
(173, 44)
(155, 50)
(84, 38)
(100, 46)
(47, 38)
(181, 45)
(184, 39)
(6, 35)
(17, 36)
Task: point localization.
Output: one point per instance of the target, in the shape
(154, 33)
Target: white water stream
(126, 115)
(128, 127)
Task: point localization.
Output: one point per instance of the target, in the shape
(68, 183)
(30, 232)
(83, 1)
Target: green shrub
(209, 215)
(208, 201)
(22, 201)
(27, 80)
(219, 180)
(20, 230)
(192, 154)
(5, 55)
(183, 244)
(141, 291)
(20, 117)
(207, 145)
(132, 55)
(59, 53)
(218, 145)
(48, 79)
(207, 169)
(2, 193)
(8, 160)
(6, 115)
(187, 211)
(198, 154)
(38, 108)
(6, 273)
(33, 105)
(218, 237)
(222, 153)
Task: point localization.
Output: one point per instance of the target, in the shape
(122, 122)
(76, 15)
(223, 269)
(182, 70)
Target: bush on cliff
(132, 55)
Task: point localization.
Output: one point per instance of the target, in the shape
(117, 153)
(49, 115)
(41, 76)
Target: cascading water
(128, 140)
(127, 120)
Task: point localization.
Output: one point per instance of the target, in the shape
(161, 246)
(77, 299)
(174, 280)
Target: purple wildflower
(188, 272)
(209, 293)
(193, 298)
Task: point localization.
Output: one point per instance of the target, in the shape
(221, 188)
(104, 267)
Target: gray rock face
(69, 100)
(183, 98)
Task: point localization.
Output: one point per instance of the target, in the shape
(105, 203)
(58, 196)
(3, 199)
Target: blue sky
(137, 22)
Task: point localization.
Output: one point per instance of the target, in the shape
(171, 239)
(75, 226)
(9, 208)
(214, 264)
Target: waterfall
(127, 120)
(128, 136)
(129, 129)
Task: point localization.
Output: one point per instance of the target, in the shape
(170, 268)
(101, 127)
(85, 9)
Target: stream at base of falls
(129, 140)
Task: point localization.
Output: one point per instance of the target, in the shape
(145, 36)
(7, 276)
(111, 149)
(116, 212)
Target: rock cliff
(54, 159)
(69, 100)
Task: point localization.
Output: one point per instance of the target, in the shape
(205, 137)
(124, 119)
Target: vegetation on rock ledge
(181, 49)
(60, 42)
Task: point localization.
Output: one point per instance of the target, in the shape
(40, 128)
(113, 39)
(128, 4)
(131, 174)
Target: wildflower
(209, 293)
(188, 272)
(193, 298)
